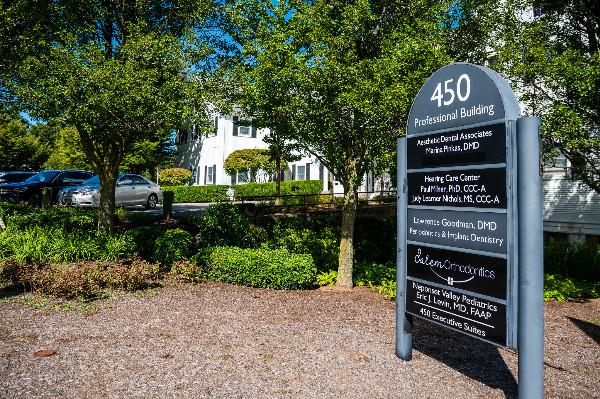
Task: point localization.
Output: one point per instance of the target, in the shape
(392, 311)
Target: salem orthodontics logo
(438, 266)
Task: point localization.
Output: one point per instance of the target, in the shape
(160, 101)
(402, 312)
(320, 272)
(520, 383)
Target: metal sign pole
(531, 266)
(403, 325)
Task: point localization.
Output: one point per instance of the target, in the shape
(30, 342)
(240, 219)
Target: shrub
(578, 261)
(287, 187)
(224, 225)
(322, 245)
(143, 240)
(276, 269)
(200, 193)
(172, 245)
(380, 277)
(133, 276)
(9, 271)
(186, 271)
(562, 288)
(174, 177)
(88, 280)
(71, 219)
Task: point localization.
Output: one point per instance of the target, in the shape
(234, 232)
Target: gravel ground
(224, 341)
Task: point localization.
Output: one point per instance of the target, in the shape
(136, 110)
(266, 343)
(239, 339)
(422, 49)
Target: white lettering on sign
(462, 91)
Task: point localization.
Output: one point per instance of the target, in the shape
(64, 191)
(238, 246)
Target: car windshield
(92, 181)
(41, 177)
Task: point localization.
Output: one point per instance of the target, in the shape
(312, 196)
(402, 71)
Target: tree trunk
(277, 178)
(346, 260)
(108, 180)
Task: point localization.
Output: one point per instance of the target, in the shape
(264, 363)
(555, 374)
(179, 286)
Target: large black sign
(478, 145)
(456, 205)
(480, 274)
(482, 231)
(482, 188)
(478, 317)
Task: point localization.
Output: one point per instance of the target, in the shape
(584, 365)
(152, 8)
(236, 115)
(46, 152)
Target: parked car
(130, 190)
(14, 176)
(30, 190)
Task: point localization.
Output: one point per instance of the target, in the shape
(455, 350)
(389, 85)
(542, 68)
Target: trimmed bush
(172, 245)
(174, 177)
(224, 225)
(276, 269)
(287, 187)
(196, 194)
(561, 288)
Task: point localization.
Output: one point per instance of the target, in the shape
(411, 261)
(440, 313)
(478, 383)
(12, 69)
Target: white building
(205, 154)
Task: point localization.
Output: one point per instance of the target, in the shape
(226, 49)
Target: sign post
(458, 212)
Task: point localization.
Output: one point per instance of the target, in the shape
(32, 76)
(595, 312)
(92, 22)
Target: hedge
(265, 268)
(268, 189)
(199, 193)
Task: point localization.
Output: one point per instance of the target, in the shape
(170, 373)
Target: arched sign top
(459, 95)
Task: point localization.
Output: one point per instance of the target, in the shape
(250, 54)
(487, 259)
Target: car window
(44, 176)
(125, 180)
(95, 180)
(71, 178)
(138, 180)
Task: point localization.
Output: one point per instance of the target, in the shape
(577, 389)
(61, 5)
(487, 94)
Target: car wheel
(152, 201)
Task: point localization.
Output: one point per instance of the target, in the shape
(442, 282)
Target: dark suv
(14, 176)
(30, 190)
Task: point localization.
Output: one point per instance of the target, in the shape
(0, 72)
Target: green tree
(118, 72)
(249, 161)
(364, 63)
(19, 148)
(67, 152)
(554, 61)
(261, 68)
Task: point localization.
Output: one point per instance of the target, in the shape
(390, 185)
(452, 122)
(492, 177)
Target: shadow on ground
(10, 291)
(470, 357)
(590, 329)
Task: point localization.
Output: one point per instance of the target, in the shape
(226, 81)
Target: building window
(242, 177)
(245, 131)
(214, 130)
(301, 172)
(210, 175)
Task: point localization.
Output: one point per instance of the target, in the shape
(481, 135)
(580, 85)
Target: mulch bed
(224, 341)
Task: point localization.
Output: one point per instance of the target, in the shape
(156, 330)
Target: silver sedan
(130, 190)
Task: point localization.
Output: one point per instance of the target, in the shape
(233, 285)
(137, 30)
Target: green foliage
(561, 288)
(200, 193)
(287, 187)
(380, 277)
(327, 278)
(121, 76)
(172, 245)
(578, 261)
(71, 219)
(43, 244)
(19, 148)
(322, 246)
(224, 225)
(67, 152)
(143, 239)
(249, 160)
(276, 269)
(174, 177)
(554, 60)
